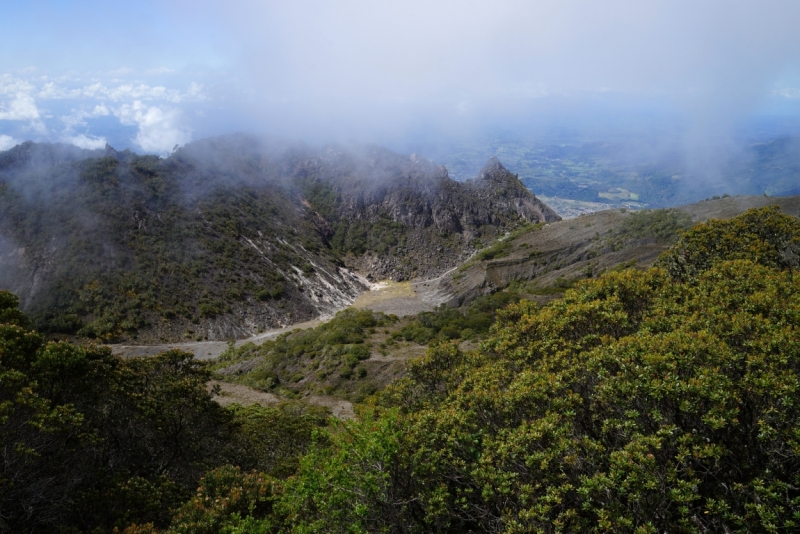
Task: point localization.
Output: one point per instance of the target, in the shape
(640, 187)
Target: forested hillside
(231, 235)
(659, 400)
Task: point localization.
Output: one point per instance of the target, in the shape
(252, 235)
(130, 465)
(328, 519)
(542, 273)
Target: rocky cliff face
(442, 220)
(504, 192)
(231, 235)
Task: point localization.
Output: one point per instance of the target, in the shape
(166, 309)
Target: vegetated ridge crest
(233, 234)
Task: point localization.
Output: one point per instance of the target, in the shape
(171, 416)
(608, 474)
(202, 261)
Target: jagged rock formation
(442, 220)
(231, 235)
(494, 177)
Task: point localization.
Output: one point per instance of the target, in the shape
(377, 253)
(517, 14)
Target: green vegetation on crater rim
(658, 400)
(230, 235)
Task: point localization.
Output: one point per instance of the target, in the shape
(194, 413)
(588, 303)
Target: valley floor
(398, 298)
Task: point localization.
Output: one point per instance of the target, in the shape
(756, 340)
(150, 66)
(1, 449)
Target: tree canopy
(643, 401)
(663, 400)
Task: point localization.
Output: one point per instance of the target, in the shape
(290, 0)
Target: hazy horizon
(149, 75)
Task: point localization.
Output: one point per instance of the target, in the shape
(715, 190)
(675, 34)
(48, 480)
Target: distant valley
(582, 175)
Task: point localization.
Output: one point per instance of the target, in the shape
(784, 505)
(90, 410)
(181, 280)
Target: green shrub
(637, 403)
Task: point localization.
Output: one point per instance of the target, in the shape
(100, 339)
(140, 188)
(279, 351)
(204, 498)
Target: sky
(152, 74)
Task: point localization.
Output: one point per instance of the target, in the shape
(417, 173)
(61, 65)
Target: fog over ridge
(164, 72)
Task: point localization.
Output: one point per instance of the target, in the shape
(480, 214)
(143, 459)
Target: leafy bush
(93, 442)
(271, 440)
(449, 323)
(498, 250)
(328, 353)
(226, 501)
(637, 403)
(764, 235)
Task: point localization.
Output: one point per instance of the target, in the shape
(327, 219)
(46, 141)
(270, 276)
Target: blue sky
(151, 74)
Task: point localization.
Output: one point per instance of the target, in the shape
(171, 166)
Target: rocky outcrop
(503, 191)
(231, 235)
(443, 220)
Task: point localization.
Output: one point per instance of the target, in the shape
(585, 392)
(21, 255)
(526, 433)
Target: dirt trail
(239, 394)
(208, 350)
(399, 298)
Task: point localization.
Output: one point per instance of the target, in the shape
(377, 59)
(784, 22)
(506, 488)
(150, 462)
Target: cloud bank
(166, 71)
(84, 112)
(364, 64)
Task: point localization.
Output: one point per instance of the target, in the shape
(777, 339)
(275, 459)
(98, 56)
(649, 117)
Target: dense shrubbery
(765, 236)
(638, 403)
(633, 403)
(643, 401)
(447, 323)
(92, 441)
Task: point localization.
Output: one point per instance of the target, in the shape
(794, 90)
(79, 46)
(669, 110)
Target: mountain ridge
(231, 235)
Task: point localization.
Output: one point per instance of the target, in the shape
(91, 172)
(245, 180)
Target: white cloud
(9, 85)
(196, 91)
(789, 93)
(78, 117)
(159, 128)
(66, 88)
(130, 91)
(100, 110)
(156, 110)
(6, 142)
(122, 71)
(51, 91)
(22, 107)
(84, 141)
(160, 70)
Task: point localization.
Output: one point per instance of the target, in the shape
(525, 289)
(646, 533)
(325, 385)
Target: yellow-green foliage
(762, 235)
(637, 403)
(227, 500)
(633, 403)
(449, 323)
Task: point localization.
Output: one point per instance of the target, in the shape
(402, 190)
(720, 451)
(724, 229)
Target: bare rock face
(506, 193)
(443, 220)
